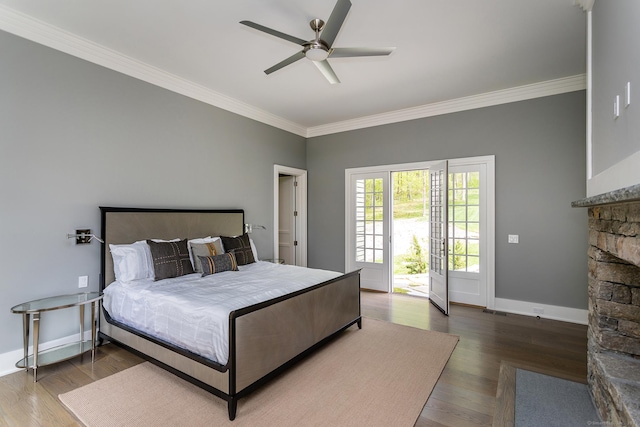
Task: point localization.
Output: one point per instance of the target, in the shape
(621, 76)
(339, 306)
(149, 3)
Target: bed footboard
(266, 338)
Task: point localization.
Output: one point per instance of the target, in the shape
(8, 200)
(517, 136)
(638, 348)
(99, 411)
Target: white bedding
(193, 312)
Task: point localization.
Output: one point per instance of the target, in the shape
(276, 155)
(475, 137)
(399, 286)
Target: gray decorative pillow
(170, 259)
(241, 247)
(204, 249)
(218, 263)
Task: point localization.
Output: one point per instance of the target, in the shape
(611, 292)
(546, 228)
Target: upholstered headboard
(127, 225)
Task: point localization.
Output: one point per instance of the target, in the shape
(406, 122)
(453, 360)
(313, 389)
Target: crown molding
(45, 34)
(520, 93)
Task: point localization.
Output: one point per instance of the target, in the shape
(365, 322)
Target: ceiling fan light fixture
(316, 53)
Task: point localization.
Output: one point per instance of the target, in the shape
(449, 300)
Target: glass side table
(63, 352)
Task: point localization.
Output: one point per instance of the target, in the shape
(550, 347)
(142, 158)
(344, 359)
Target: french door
(368, 222)
(461, 228)
(438, 247)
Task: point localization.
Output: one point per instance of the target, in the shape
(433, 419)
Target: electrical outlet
(83, 281)
(538, 310)
(514, 238)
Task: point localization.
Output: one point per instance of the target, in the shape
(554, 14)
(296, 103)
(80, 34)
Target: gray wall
(616, 61)
(76, 136)
(540, 169)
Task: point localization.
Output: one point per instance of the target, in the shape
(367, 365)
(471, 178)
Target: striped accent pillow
(204, 249)
(218, 263)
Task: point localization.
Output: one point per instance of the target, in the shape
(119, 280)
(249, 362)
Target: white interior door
(368, 229)
(438, 250)
(300, 218)
(286, 220)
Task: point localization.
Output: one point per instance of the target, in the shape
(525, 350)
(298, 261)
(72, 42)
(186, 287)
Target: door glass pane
(464, 221)
(436, 255)
(369, 214)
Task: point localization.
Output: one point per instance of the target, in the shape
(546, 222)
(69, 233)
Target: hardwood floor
(466, 392)
(464, 396)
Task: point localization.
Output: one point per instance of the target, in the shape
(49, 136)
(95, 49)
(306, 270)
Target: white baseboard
(553, 312)
(8, 360)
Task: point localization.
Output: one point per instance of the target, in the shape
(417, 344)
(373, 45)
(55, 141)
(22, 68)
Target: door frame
(301, 219)
(489, 161)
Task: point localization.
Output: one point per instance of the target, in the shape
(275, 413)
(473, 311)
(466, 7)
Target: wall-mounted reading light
(84, 236)
(248, 228)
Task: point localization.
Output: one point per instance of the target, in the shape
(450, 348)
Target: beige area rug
(381, 375)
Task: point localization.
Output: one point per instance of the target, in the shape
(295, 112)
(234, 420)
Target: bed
(262, 339)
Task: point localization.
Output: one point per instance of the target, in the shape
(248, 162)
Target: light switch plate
(513, 238)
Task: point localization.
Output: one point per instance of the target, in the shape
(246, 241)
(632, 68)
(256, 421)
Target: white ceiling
(445, 50)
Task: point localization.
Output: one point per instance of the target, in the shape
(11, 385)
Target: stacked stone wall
(614, 309)
(614, 277)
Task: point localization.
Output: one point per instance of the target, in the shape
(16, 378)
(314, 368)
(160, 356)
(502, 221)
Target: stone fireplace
(614, 305)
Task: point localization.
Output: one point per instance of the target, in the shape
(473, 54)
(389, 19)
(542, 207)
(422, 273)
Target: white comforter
(193, 312)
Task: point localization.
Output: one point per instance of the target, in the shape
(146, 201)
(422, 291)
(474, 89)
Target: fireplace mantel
(624, 195)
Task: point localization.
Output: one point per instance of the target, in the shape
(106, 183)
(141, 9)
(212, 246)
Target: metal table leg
(25, 339)
(81, 324)
(36, 332)
(93, 331)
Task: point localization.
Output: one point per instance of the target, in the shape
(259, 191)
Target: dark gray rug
(542, 400)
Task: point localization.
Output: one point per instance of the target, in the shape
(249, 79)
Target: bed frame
(264, 338)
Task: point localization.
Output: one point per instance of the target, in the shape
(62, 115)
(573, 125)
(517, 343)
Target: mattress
(192, 312)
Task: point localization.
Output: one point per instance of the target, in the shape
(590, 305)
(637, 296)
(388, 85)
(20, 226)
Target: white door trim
(301, 198)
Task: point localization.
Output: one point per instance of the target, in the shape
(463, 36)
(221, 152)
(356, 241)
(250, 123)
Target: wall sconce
(248, 228)
(84, 237)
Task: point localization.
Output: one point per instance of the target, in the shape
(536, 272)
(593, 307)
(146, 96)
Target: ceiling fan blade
(347, 52)
(288, 61)
(335, 21)
(327, 71)
(268, 30)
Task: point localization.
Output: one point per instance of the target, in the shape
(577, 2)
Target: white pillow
(253, 249)
(131, 262)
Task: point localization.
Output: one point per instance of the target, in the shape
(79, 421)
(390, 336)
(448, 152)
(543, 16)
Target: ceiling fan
(321, 47)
